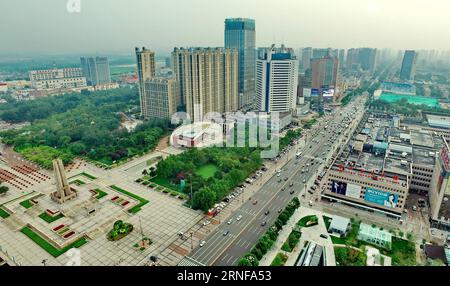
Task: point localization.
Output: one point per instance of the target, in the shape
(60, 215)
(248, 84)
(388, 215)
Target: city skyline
(369, 21)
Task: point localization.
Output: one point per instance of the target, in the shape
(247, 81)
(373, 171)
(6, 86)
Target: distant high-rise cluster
(408, 69)
(361, 58)
(96, 70)
(276, 80)
(240, 35)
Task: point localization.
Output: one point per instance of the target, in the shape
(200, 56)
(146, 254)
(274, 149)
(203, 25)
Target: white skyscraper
(276, 80)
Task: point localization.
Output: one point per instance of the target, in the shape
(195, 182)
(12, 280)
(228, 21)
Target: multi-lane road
(230, 241)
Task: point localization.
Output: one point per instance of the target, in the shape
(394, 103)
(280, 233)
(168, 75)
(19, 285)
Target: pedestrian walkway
(308, 234)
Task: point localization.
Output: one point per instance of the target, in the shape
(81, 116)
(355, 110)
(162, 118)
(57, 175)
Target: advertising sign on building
(381, 198)
(314, 92)
(338, 187)
(353, 191)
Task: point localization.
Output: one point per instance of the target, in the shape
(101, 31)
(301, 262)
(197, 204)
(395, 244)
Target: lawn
(165, 183)
(77, 182)
(207, 171)
(100, 194)
(137, 207)
(48, 218)
(88, 176)
(279, 260)
(3, 213)
(351, 237)
(307, 221)
(403, 252)
(291, 241)
(327, 220)
(26, 204)
(47, 246)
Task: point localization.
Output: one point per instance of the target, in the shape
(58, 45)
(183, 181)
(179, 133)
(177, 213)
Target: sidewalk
(308, 234)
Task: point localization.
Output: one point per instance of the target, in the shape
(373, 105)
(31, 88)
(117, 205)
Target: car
(230, 221)
(280, 210)
(304, 181)
(226, 232)
(282, 189)
(255, 202)
(311, 192)
(202, 243)
(239, 218)
(267, 212)
(206, 222)
(324, 236)
(278, 175)
(263, 223)
(291, 184)
(292, 192)
(285, 179)
(279, 180)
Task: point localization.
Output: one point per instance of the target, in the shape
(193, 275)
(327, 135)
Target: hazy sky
(45, 26)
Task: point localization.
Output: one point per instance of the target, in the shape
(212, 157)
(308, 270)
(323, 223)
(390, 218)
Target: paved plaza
(91, 217)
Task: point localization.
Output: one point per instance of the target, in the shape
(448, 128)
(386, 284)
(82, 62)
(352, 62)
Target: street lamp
(192, 243)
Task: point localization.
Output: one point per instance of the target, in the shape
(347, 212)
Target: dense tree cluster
(268, 239)
(234, 166)
(84, 125)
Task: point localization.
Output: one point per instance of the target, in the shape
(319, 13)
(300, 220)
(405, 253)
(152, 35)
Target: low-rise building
(57, 78)
(375, 236)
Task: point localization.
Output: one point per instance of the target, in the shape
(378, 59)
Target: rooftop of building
(374, 232)
(438, 121)
(339, 223)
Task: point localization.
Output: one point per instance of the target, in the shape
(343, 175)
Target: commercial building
(385, 161)
(276, 80)
(325, 75)
(96, 70)
(160, 98)
(207, 80)
(306, 59)
(341, 57)
(439, 194)
(320, 53)
(352, 60)
(57, 78)
(240, 35)
(367, 58)
(146, 70)
(408, 70)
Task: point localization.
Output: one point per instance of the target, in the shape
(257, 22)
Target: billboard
(338, 187)
(381, 198)
(328, 92)
(353, 191)
(342, 188)
(314, 92)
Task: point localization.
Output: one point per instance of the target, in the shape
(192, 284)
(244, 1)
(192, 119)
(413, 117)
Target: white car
(202, 243)
(239, 218)
(206, 222)
(230, 221)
